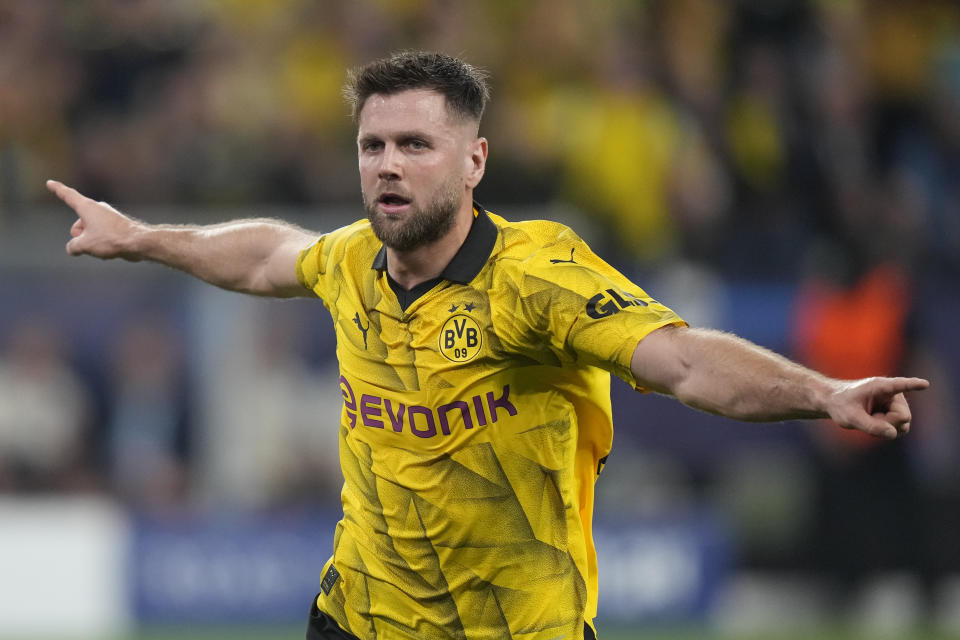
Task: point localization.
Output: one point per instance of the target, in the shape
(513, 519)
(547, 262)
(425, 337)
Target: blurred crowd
(731, 132)
(810, 144)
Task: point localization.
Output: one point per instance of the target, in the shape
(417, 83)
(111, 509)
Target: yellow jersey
(476, 418)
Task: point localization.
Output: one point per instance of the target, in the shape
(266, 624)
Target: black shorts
(323, 627)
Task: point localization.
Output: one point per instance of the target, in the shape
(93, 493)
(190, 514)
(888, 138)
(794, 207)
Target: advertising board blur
(228, 568)
(264, 569)
(660, 570)
(63, 565)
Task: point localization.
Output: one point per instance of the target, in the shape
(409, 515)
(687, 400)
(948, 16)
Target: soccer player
(475, 357)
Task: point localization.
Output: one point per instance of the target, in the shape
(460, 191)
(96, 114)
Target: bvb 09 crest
(460, 338)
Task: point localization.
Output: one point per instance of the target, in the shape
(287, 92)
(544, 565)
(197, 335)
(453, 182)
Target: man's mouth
(392, 202)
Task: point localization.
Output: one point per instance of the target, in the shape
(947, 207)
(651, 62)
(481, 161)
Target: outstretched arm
(251, 256)
(722, 374)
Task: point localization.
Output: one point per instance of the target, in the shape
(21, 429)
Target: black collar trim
(472, 255)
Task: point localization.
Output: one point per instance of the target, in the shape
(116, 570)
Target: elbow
(718, 399)
(263, 288)
(254, 282)
(695, 400)
(262, 285)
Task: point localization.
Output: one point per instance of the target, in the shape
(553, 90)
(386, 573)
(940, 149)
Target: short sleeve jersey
(474, 425)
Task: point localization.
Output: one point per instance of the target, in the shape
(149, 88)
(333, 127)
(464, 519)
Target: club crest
(460, 338)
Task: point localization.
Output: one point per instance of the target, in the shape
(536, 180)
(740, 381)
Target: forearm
(252, 256)
(726, 375)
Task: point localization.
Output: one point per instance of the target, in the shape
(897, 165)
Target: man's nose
(391, 165)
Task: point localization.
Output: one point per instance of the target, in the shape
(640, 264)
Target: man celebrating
(475, 356)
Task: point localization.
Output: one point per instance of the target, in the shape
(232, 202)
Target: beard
(419, 226)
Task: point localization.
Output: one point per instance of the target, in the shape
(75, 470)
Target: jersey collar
(470, 257)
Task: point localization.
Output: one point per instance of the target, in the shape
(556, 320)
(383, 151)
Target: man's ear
(477, 162)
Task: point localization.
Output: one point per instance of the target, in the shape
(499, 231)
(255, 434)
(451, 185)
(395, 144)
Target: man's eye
(417, 145)
(371, 146)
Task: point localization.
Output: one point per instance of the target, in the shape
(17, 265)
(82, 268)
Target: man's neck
(410, 268)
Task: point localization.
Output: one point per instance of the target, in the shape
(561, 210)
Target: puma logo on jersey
(364, 329)
(571, 260)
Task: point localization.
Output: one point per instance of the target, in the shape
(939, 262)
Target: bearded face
(418, 165)
(403, 224)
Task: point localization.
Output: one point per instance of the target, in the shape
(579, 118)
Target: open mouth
(393, 201)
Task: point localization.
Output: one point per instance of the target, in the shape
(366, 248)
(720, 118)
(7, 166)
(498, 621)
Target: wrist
(138, 243)
(822, 393)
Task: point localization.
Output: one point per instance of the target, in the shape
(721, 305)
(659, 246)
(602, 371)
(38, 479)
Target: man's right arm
(251, 256)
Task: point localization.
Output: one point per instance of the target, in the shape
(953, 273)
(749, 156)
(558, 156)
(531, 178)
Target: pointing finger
(71, 196)
(899, 385)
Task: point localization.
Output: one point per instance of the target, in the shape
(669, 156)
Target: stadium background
(785, 170)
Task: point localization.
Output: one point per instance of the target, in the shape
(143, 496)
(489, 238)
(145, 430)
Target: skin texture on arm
(251, 256)
(725, 375)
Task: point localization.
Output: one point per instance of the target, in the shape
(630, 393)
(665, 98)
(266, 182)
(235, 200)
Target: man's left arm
(726, 375)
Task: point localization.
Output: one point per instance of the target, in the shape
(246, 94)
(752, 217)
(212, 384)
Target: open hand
(876, 406)
(100, 230)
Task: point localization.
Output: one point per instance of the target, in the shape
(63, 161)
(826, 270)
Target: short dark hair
(463, 85)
